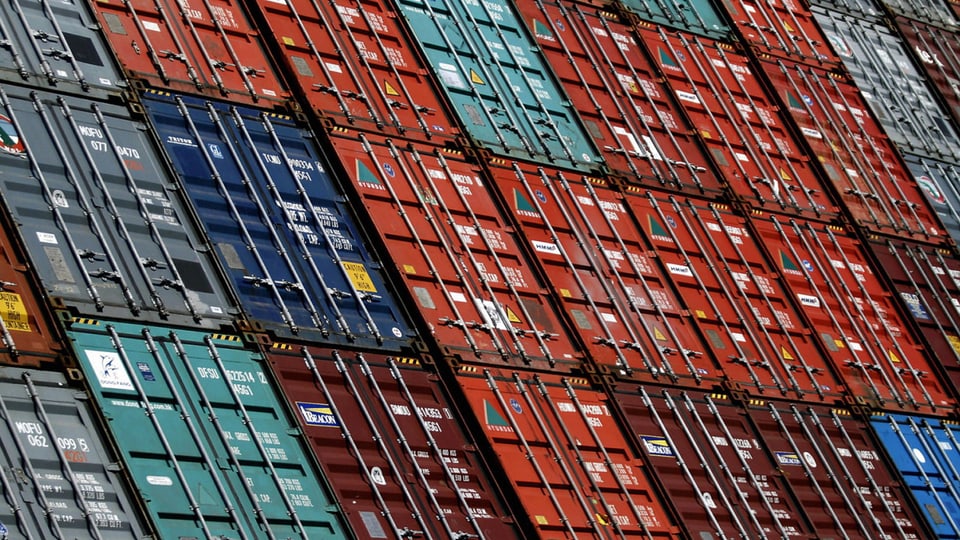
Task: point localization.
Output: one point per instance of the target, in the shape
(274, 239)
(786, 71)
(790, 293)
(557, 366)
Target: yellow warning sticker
(408, 268)
(512, 316)
(475, 78)
(565, 293)
(954, 342)
(839, 343)
(788, 28)
(541, 520)
(602, 519)
(893, 356)
(13, 311)
(784, 175)
(389, 89)
(785, 354)
(359, 277)
(701, 314)
(288, 41)
(659, 335)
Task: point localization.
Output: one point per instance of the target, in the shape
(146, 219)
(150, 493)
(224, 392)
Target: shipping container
(928, 284)
(835, 471)
(940, 182)
(203, 433)
(861, 162)
(498, 82)
(896, 91)
(925, 11)
(477, 291)
(100, 216)
(924, 451)
(614, 293)
(566, 456)
(57, 46)
(739, 304)
(938, 55)
(281, 227)
(784, 29)
(853, 315)
(207, 47)
(625, 106)
(390, 444)
(751, 144)
(870, 10)
(57, 476)
(355, 66)
(712, 464)
(700, 17)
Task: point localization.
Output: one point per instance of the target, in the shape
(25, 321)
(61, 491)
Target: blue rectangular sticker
(317, 414)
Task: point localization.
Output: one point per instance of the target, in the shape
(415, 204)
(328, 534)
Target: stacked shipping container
(673, 259)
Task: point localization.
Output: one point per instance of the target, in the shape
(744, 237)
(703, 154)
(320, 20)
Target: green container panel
(499, 82)
(203, 433)
(695, 16)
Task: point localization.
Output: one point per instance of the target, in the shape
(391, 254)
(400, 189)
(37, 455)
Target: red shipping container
(566, 456)
(210, 48)
(354, 64)
(480, 295)
(835, 472)
(389, 444)
(938, 52)
(737, 299)
(712, 464)
(856, 156)
(615, 294)
(742, 127)
(854, 316)
(784, 28)
(928, 283)
(624, 104)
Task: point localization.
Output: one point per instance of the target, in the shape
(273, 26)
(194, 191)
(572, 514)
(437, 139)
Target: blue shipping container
(203, 433)
(282, 230)
(926, 452)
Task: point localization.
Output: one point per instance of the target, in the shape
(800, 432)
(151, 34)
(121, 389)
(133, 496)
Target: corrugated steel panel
(498, 82)
(56, 46)
(925, 451)
(782, 28)
(856, 156)
(893, 87)
(864, 9)
(853, 315)
(927, 11)
(284, 232)
(695, 16)
(745, 133)
(940, 182)
(356, 66)
(623, 102)
(57, 476)
(566, 456)
(99, 214)
(474, 287)
(199, 46)
(938, 53)
(713, 465)
(737, 300)
(616, 296)
(203, 433)
(928, 284)
(390, 444)
(835, 472)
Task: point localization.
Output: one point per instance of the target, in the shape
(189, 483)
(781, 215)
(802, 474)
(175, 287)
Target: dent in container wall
(877, 358)
(623, 104)
(57, 477)
(925, 453)
(354, 64)
(748, 319)
(786, 29)
(938, 53)
(99, 213)
(928, 284)
(695, 16)
(390, 444)
(854, 153)
(835, 471)
(203, 433)
(203, 47)
(565, 456)
(57, 47)
(282, 229)
(614, 293)
(498, 83)
(896, 92)
(740, 125)
(940, 182)
(712, 465)
(473, 285)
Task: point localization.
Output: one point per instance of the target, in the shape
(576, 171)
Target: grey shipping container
(898, 94)
(867, 9)
(58, 46)
(928, 11)
(940, 182)
(204, 433)
(99, 214)
(57, 478)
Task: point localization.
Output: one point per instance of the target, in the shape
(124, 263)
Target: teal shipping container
(201, 430)
(699, 17)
